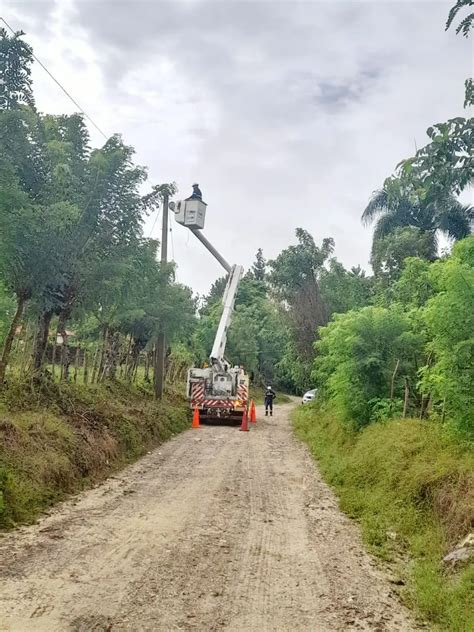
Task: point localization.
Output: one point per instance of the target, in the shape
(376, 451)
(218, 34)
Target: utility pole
(159, 376)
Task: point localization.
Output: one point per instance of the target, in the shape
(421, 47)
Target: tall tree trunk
(53, 358)
(134, 357)
(153, 361)
(86, 367)
(16, 346)
(127, 359)
(147, 367)
(7, 347)
(429, 406)
(95, 366)
(111, 355)
(65, 356)
(76, 362)
(105, 335)
(25, 354)
(135, 369)
(424, 401)
(41, 340)
(114, 355)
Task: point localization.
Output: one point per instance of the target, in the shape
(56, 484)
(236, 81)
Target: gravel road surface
(215, 530)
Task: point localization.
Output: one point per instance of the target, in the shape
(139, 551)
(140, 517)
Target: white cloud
(287, 113)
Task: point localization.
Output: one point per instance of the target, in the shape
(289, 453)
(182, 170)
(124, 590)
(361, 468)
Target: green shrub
(449, 316)
(357, 356)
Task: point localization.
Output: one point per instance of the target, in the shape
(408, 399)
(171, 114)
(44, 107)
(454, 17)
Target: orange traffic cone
(253, 413)
(196, 418)
(244, 426)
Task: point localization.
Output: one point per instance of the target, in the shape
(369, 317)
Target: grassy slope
(412, 489)
(62, 440)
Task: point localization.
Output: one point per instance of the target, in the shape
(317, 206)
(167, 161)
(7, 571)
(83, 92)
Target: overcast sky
(287, 113)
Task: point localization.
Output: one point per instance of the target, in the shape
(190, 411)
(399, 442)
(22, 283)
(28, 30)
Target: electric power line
(81, 109)
(61, 86)
(154, 223)
(172, 243)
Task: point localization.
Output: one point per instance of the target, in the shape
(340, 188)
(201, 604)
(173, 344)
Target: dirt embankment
(63, 438)
(216, 530)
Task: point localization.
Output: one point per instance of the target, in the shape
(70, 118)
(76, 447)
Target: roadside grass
(411, 487)
(59, 439)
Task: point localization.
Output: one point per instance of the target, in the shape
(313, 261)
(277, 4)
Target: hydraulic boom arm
(218, 349)
(191, 213)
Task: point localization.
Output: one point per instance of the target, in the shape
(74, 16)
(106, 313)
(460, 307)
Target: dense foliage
(83, 298)
(413, 355)
(360, 357)
(88, 289)
(449, 317)
(409, 350)
(82, 295)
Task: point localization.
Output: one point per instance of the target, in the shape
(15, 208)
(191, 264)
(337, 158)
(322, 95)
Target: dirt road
(216, 530)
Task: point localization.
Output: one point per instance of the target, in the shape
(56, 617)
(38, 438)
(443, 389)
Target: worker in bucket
(269, 397)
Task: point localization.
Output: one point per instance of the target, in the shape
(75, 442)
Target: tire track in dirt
(216, 530)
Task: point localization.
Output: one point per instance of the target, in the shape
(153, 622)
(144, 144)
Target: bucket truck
(219, 391)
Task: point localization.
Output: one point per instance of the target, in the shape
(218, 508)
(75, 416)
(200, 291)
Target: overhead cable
(81, 109)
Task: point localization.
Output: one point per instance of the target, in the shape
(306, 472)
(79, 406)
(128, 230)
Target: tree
(389, 253)
(343, 290)
(415, 286)
(243, 343)
(7, 309)
(465, 25)
(443, 167)
(449, 316)
(70, 216)
(251, 292)
(22, 226)
(103, 187)
(215, 294)
(27, 260)
(292, 374)
(294, 278)
(259, 266)
(257, 334)
(395, 207)
(363, 358)
(16, 57)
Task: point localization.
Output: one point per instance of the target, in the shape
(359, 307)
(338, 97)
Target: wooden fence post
(405, 402)
(392, 385)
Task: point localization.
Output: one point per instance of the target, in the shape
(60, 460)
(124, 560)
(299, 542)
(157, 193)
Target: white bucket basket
(191, 213)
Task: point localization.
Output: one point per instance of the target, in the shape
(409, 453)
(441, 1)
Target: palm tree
(445, 214)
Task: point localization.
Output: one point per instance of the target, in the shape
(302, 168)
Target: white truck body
(218, 393)
(220, 390)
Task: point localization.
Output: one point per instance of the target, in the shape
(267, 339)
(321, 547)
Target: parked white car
(309, 396)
